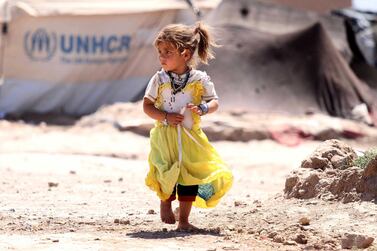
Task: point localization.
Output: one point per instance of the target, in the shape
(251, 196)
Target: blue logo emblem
(40, 45)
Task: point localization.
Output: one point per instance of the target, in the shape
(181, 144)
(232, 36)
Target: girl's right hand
(174, 118)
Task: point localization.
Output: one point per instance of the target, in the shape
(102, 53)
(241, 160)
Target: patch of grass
(363, 161)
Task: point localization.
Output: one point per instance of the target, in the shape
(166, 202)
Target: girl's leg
(186, 196)
(184, 213)
(166, 212)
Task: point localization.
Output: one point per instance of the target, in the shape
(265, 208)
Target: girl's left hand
(194, 108)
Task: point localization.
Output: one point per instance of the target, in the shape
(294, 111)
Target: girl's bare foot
(166, 212)
(186, 227)
(184, 212)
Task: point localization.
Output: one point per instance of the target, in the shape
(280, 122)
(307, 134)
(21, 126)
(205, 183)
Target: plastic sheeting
(74, 56)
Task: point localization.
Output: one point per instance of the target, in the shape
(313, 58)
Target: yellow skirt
(201, 165)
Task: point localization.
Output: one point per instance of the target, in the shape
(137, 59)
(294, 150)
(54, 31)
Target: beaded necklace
(178, 87)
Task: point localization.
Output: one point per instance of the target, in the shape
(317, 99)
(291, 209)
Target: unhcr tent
(72, 57)
(296, 72)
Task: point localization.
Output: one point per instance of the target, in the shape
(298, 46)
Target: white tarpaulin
(74, 56)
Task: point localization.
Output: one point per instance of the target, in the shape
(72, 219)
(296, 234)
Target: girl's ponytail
(205, 42)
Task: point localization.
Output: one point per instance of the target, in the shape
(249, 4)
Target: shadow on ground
(164, 234)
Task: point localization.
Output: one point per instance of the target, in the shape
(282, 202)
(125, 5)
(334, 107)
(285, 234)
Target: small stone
(107, 181)
(301, 239)
(304, 221)
(97, 239)
(72, 172)
(55, 240)
(272, 234)
(253, 211)
(290, 243)
(251, 231)
(52, 184)
(164, 230)
(151, 211)
(263, 232)
(120, 179)
(278, 239)
(124, 222)
(116, 221)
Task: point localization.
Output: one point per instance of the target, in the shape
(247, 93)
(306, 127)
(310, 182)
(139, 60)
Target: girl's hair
(195, 38)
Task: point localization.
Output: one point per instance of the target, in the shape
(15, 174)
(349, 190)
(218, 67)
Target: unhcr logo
(40, 45)
(77, 48)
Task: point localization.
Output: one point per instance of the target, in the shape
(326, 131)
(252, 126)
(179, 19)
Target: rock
(251, 231)
(278, 239)
(356, 240)
(315, 162)
(371, 169)
(124, 222)
(304, 221)
(290, 243)
(151, 211)
(338, 180)
(341, 162)
(272, 234)
(116, 221)
(52, 184)
(239, 204)
(301, 239)
(330, 154)
(290, 182)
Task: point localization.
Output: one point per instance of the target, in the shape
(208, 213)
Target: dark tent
(294, 73)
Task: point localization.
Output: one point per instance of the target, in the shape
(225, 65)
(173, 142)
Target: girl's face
(171, 59)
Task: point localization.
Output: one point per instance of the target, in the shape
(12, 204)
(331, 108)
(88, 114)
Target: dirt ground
(82, 188)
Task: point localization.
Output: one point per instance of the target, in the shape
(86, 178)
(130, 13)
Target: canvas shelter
(72, 57)
(295, 72)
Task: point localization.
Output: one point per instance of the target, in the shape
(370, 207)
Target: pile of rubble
(330, 174)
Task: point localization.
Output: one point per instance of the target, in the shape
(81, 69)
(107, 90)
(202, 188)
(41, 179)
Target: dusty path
(82, 189)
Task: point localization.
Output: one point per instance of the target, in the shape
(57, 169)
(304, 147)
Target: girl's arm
(154, 113)
(213, 105)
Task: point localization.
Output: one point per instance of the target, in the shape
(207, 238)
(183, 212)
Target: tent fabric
(13, 8)
(273, 18)
(361, 32)
(73, 57)
(294, 73)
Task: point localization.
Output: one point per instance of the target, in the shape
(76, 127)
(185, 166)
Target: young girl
(182, 162)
